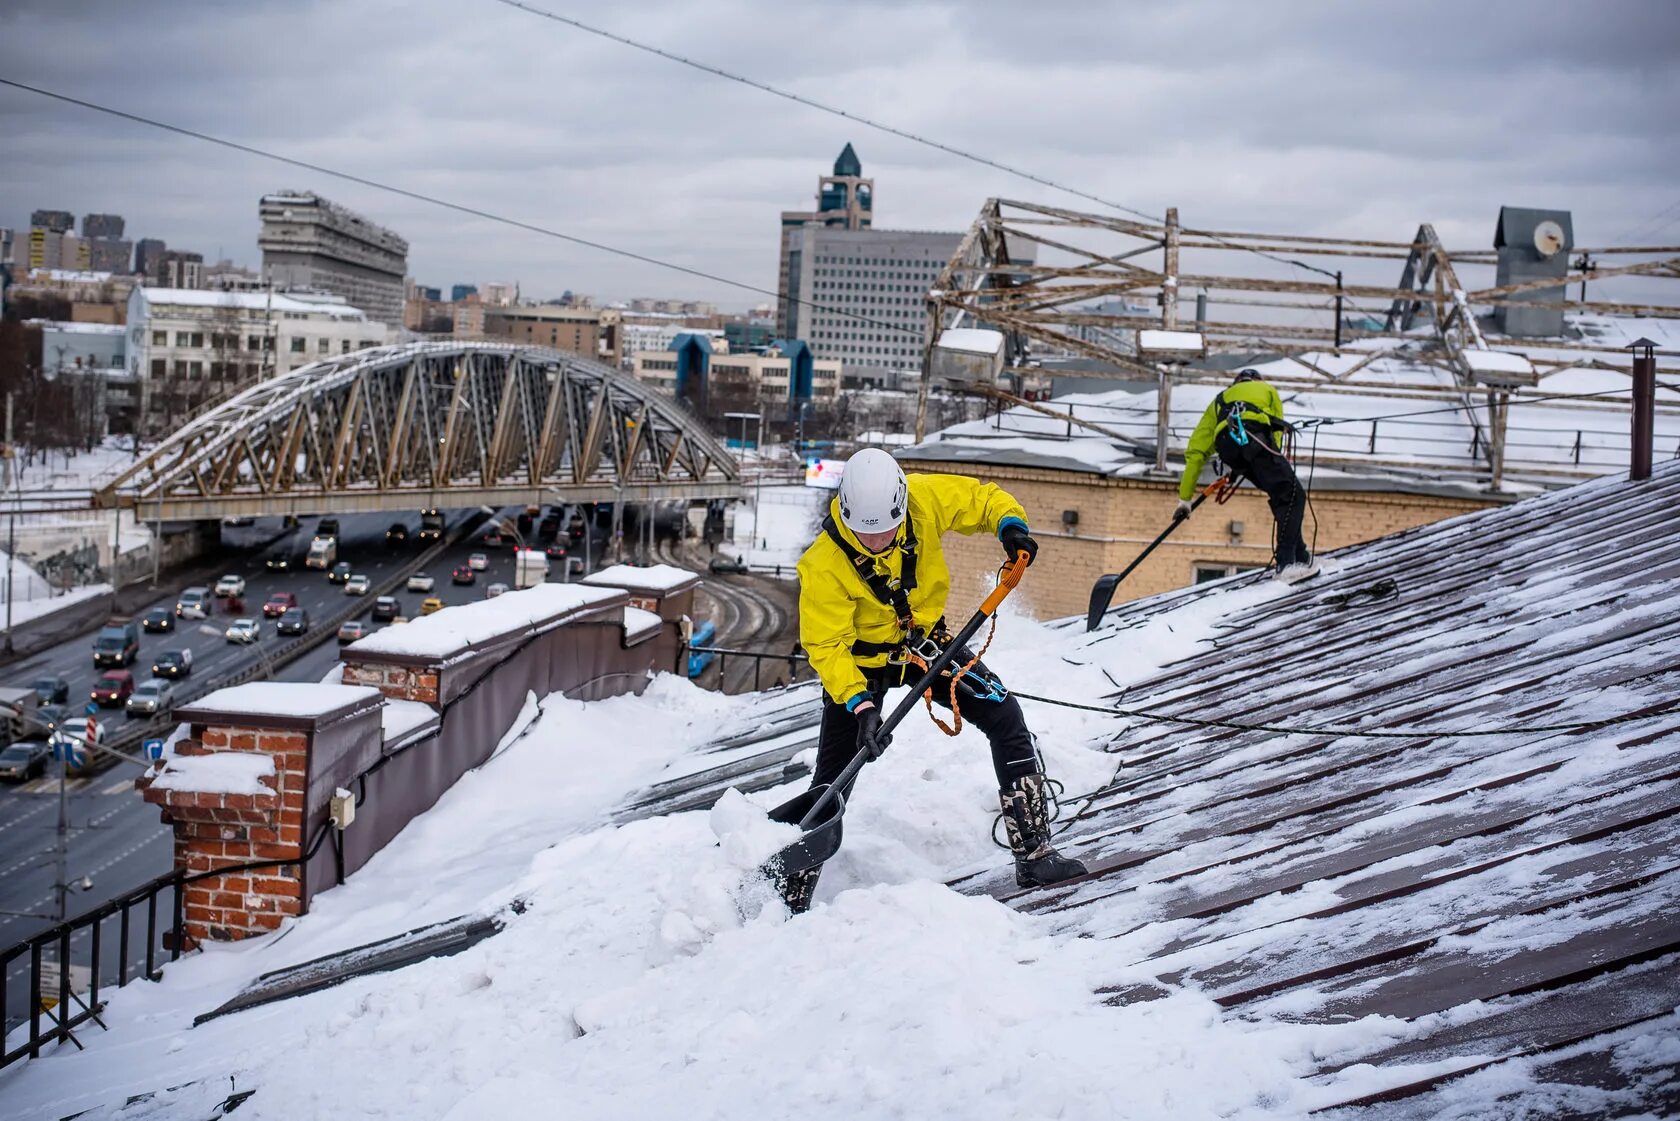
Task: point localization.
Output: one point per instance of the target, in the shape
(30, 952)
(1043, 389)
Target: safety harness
(894, 594)
(1231, 415)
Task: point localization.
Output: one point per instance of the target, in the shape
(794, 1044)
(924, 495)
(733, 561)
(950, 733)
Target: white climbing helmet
(873, 493)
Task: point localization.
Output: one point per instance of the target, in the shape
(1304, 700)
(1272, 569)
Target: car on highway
(279, 561)
(294, 621)
(112, 689)
(24, 760)
(725, 564)
(431, 605)
(555, 552)
(492, 538)
(462, 575)
(574, 566)
(159, 619)
(48, 718)
(396, 534)
(279, 603)
(245, 631)
(358, 585)
(420, 582)
(193, 603)
(327, 527)
(339, 573)
(494, 590)
(478, 562)
(173, 664)
(230, 585)
(351, 630)
(117, 644)
(151, 697)
(51, 690)
(386, 608)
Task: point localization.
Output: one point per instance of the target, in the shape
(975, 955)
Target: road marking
(125, 786)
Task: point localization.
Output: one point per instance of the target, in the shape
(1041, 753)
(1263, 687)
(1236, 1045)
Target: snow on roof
(1418, 441)
(1171, 340)
(288, 698)
(976, 340)
(455, 628)
(1276, 923)
(399, 717)
(639, 623)
(70, 327)
(250, 301)
(653, 578)
(1498, 361)
(220, 772)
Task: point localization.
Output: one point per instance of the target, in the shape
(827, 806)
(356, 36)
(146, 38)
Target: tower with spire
(846, 201)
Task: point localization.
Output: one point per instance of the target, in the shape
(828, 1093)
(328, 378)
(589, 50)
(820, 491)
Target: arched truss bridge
(420, 425)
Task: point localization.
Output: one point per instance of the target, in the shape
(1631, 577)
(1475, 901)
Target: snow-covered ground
(786, 522)
(33, 597)
(653, 975)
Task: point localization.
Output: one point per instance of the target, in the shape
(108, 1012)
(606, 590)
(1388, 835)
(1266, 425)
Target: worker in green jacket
(1244, 425)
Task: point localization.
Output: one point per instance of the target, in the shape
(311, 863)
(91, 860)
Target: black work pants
(1267, 469)
(1013, 753)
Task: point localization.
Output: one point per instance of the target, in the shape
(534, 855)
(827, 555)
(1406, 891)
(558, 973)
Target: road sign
(91, 709)
(80, 976)
(70, 751)
(152, 749)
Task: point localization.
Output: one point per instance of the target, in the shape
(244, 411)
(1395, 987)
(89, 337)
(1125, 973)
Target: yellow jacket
(1261, 404)
(836, 608)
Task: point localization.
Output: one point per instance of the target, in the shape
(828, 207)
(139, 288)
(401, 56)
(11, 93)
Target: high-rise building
(146, 253)
(845, 201)
(50, 249)
(462, 291)
(109, 254)
(177, 268)
(102, 225)
(593, 334)
(867, 293)
(55, 221)
(8, 246)
(501, 295)
(311, 243)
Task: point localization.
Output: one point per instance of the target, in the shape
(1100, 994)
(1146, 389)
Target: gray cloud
(1297, 117)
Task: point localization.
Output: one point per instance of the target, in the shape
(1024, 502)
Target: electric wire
(891, 130)
(460, 208)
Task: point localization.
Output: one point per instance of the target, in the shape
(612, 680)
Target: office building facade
(311, 243)
(845, 201)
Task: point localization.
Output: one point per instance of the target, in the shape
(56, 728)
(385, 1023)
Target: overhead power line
(891, 130)
(459, 208)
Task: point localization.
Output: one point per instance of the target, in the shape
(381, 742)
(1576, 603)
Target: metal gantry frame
(998, 278)
(429, 425)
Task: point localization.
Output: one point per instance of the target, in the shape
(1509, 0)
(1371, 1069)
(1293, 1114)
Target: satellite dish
(1548, 238)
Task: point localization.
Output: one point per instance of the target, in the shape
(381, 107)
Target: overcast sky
(1309, 118)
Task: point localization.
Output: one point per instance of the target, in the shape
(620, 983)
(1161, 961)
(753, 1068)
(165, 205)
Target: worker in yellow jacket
(873, 583)
(1244, 424)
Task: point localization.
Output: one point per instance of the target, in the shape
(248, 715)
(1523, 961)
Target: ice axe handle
(1011, 576)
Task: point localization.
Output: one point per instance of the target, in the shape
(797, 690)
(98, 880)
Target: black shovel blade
(821, 839)
(1102, 594)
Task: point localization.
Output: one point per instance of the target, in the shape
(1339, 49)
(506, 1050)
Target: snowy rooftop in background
(220, 772)
(71, 327)
(1487, 926)
(250, 301)
(1372, 432)
(454, 628)
(291, 698)
(654, 577)
(976, 340)
(1190, 342)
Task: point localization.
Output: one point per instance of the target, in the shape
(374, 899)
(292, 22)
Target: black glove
(871, 741)
(1015, 540)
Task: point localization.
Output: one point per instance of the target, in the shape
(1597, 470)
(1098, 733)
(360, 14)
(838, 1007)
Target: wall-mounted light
(1070, 518)
(1236, 529)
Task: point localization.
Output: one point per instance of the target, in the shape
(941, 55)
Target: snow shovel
(1102, 592)
(818, 811)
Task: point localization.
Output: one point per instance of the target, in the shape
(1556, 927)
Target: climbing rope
(1387, 733)
(1380, 592)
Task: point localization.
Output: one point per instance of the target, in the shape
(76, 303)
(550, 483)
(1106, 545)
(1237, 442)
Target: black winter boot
(1027, 821)
(797, 888)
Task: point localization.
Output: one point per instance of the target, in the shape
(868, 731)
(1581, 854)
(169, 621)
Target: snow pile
(287, 698)
(779, 525)
(639, 623)
(653, 578)
(449, 632)
(221, 772)
(654, 974)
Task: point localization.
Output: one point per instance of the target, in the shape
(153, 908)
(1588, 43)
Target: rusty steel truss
(1075, 284)
(446, 425)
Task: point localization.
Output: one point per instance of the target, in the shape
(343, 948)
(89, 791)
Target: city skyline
(1307, 123)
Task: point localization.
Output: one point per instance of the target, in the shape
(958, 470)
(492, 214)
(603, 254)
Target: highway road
(114, 837)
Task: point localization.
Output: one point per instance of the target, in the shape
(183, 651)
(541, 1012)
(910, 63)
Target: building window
(297, 345)
(322, 346)
(195, 369)
(253, 342)
(160, 338)
(160, 368)
(344, 347)
(180, 368)
(181, 338)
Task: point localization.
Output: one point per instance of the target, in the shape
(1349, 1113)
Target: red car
(279, 603)
(463, 575)
(113, 688)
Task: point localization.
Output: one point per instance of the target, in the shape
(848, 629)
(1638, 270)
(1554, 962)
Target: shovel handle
(1012, 573)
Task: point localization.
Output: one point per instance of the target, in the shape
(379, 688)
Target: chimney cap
(1640, 344)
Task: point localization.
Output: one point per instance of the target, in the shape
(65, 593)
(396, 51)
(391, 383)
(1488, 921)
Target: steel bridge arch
(429, 424)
